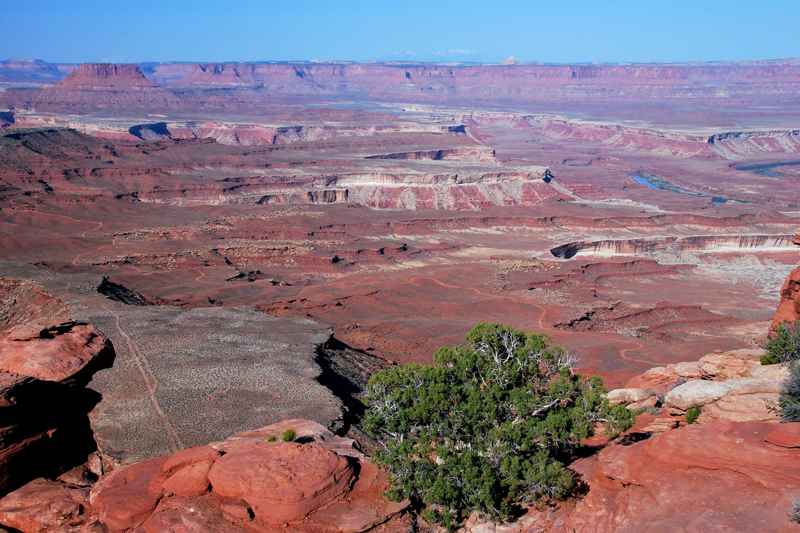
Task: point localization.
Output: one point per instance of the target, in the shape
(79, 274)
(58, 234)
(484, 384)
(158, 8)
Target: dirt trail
(150, 382)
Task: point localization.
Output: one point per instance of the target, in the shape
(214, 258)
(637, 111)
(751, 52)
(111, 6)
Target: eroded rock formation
(719, 476)
(252, 481)
(789, 306)
(676, 245)
(46, 361)
(730, 386)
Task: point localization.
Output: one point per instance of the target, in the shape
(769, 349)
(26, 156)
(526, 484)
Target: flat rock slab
(185, 377)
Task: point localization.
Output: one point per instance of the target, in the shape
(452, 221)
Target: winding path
(150, 383)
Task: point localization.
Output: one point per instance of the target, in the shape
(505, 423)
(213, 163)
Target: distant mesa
(104, 86)
(254, 83)
(106, 76)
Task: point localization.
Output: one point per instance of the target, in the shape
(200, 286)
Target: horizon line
(399, 62)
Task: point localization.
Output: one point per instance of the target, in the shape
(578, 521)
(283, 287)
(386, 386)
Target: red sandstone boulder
(44, 505)
(281, 482)
(252, 481)
(57, 354)
(718, 476)
(126, 497)
(730, 385)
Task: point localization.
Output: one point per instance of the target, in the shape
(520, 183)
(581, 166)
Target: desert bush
(692, 414)
(783, 345)
(289, 435)
(794, 516)
(789, 400)
(488, 427)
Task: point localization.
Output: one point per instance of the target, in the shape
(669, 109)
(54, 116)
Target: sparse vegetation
(783, 345)
(289, 435)
(489, 427)
(272, 438)
(794, 516)
(789, 400)
(692, 414)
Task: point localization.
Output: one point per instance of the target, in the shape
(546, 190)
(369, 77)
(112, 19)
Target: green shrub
(272, 438)
(289, 435)
(789, 400)
(489, 427)
(768, 359)
(783, 345)
(692, 414)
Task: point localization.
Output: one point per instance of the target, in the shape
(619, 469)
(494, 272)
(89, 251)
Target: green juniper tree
(789, 400)
(783, 344)
(489, 427)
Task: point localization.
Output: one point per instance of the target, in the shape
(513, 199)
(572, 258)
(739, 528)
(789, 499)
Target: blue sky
(432, 30)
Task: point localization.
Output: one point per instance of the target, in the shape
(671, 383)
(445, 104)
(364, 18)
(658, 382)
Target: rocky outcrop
(711, 367)
(744, 144)
(244, 134)
(45, 365)
(734, 399)
(45, 505)
(732, 145)
(634, 321)
(720, 476)
(469, 190)
(472, 153)
(732, 386)
(789, 307)
(121, 293)
(253, 481)
(676, 245)
(646, 140)
(466, 191)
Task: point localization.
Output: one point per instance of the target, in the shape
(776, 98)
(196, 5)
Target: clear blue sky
(413, 30)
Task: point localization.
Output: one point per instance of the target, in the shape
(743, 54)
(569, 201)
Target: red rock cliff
(789, 307)
(46, 361)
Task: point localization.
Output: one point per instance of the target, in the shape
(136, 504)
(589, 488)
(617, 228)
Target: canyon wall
(244, 134)
(673, 143)
(677, 245)
(512, 82)
(249, 82)
(741, 144)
